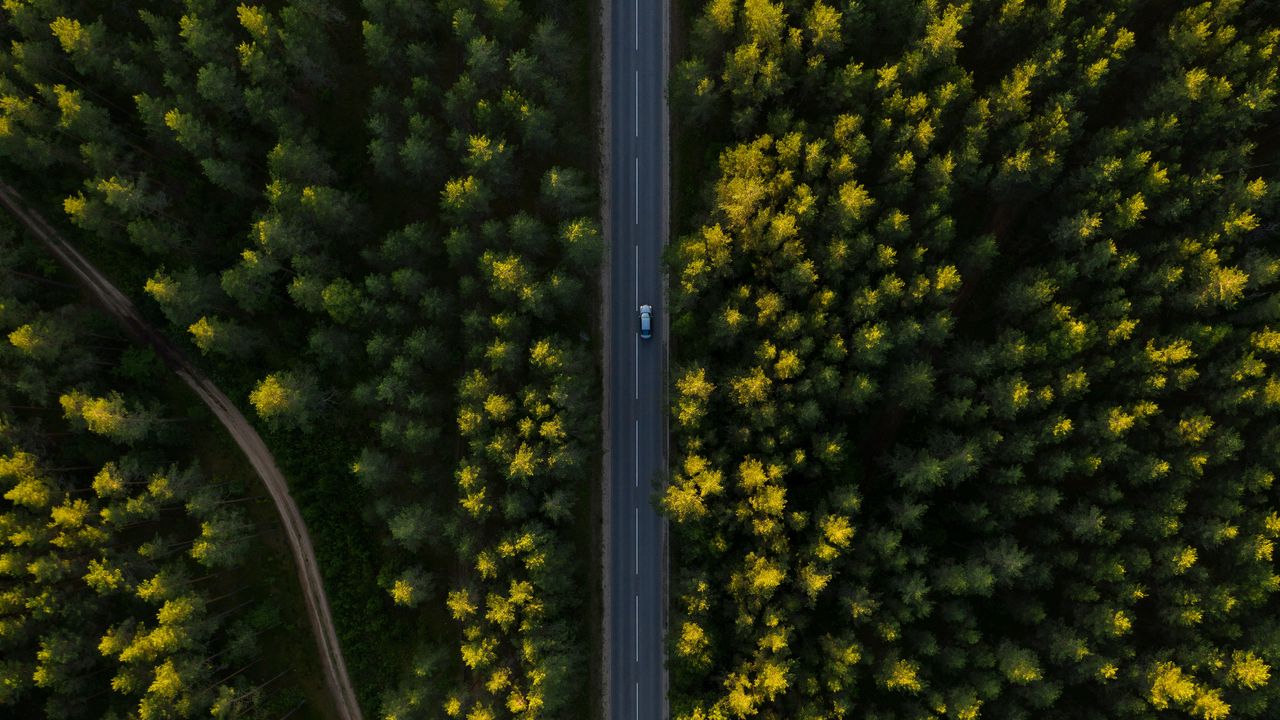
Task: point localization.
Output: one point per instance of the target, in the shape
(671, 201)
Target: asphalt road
(304, 557)
(636, 145)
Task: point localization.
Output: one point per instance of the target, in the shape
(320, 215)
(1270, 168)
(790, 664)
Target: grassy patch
(349, 554)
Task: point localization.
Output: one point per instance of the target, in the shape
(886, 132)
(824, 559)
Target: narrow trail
(304, 557)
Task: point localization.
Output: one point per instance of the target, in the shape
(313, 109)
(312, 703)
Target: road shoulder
(605, 119)
(665, 236)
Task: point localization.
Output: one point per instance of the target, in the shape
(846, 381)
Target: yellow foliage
(1120, 623)
(813, 581)
(788, 365)
(27, 339)
(1225, 285)
(752, 475)
(1193, 430)
(855, 201)
(70, 33)
(102, 577)
(1248, 670)
(1263, 548)
(904, 675)
(740, 700)
(478, 653)
(402, 592)
(203, 333)
(499, 407)
(971, 710)
(1210, 706)
(1175, 352)
(270, 397)
(760, 576)
(254, 20)
(1183, 560)
(751, 388)
(1062, 427)
(460, 604)
(1118, 421)
(693, 641)
(686, 494)
(1169, 685)
(837, 530)
(167, 683)
(501, 611)
(544, 355)
(771, 679)
(523, 463)
(1272, 524)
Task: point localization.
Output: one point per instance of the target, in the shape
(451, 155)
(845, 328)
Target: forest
(374, 224)
(126, 587)
(974, 401)
(975, 407)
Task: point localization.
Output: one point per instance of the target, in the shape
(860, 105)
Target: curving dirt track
(304, 557)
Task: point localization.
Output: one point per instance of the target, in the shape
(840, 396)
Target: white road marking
(637, 542)
(637, 103)
(637, 447)
(637, 701)
(637, 366)
(637, 191)
(637, 5)
(637, 627)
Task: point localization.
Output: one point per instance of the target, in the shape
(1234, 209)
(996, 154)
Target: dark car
(646, 321)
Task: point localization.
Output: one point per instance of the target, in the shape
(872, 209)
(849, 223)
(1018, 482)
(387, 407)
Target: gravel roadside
(606, 327)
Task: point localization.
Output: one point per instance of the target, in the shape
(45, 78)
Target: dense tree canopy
(124, 589)
(374, 223)
(972, 396)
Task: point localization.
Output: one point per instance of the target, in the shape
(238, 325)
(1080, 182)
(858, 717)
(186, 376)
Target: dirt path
(304, 557)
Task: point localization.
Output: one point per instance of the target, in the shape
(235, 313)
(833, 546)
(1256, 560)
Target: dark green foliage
(358, 216)
(125, 572)
(973, 401)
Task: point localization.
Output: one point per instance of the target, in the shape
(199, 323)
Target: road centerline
(638, 135)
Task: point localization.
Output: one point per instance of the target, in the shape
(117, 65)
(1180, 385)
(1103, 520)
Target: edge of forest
(602, 58)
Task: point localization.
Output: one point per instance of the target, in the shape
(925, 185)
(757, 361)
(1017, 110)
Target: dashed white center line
(637, 447)
(637, 366)
(637, 627)
(637, 103)
(637, 191)
(637, 701)
(637, 542)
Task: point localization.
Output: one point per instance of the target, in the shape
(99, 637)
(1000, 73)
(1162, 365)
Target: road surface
(636, 141)
(304, 557)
